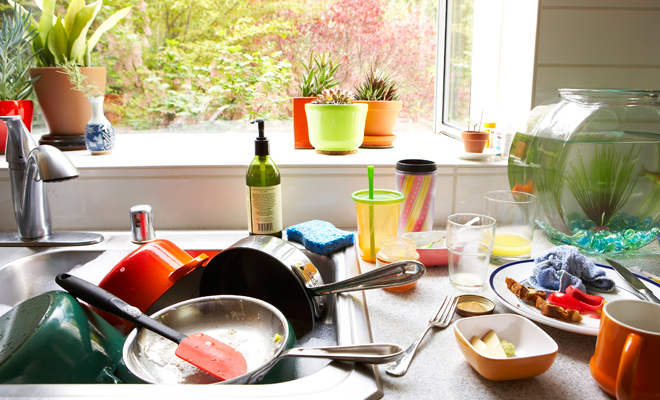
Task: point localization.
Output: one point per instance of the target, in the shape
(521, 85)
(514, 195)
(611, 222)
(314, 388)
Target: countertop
(439, 370)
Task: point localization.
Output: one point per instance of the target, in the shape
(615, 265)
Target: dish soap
(264, 189)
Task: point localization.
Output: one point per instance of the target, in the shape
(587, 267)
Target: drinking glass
(514, 213)
(470, 242)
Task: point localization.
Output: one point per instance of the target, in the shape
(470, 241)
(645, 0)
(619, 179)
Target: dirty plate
(521, 270)
(436, 255)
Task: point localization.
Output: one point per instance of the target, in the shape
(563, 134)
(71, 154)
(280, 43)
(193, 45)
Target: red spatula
(199, 349)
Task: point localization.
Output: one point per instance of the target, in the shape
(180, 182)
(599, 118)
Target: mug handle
(628, 366)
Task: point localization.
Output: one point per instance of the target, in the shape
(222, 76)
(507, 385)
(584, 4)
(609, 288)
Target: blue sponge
(319, 236)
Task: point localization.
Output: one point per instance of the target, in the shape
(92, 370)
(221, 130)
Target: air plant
(379, 85)
(319, 73)
(603, 189)
(334, 96)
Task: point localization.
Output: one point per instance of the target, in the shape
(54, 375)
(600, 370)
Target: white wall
(605, 44)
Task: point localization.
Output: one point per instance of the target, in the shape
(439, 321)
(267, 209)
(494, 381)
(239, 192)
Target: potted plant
(15, 84)
(336, 124)
(318, 74)
(379, 91)
(474, 141)
(64, 38)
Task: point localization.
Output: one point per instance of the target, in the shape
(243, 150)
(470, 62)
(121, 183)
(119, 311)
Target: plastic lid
(381, 196)
(416, 166)
(490, 124)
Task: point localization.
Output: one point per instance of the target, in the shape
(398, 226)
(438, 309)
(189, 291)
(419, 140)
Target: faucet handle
(142, 224)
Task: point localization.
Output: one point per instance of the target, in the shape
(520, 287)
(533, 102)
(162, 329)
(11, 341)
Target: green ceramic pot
(336, 127)
(51, 338)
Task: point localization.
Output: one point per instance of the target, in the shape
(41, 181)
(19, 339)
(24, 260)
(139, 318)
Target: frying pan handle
(107, 302)
(394, 274)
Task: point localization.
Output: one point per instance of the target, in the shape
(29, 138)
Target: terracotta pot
(381, 117)
(24, 108)
(474, 142)
(66, 111)
(300, 129)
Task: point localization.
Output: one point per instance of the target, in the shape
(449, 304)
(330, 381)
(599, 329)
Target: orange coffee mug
(625, 363)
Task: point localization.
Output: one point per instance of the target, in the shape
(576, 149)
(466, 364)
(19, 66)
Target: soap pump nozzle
(261, 142)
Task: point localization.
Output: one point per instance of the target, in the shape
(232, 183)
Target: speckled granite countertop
(440, 371)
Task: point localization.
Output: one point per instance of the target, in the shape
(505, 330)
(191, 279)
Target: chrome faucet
(29, 167)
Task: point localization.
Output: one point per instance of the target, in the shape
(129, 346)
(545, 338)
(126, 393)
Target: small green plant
(79, 80)
(15, 60)
(334, 96)
(319, 73)
(379, 85)
(64, 37)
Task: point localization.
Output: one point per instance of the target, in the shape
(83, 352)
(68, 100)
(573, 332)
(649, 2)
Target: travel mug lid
(416, 166)
(381, 196)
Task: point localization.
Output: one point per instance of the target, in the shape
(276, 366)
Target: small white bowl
(535, 350)
(436, 255)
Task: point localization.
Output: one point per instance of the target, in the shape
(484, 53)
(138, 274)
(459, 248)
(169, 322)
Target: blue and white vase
(99, 133)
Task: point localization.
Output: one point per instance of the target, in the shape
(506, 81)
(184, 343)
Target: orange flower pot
(474, 142)
(300, 130)
(381, 117)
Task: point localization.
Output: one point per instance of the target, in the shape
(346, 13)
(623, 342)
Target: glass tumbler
(470, 242)
(514, 213)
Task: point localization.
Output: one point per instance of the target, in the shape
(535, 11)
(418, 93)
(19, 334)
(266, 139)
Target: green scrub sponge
(319, 236)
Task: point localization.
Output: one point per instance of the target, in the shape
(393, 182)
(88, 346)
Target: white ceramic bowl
(436, 255)
(535, 349)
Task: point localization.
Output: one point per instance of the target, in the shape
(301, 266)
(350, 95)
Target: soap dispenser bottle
(264, 189)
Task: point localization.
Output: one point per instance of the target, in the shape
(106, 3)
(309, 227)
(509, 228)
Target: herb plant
(379, 85)
(319, 74)
(15, 57)
(79, 80)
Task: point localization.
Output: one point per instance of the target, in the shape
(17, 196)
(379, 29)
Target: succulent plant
(15, 57)
(379, 85)
(334, 96)
(319, 74)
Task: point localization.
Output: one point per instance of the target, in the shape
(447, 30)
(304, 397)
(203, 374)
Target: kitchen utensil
(372, 234)
(416, 179)
(430, 245)
(51, 338)
(199, 349)
(625, 361)
(441, 320)
(535, 350)
(470, 244)
(636, 284)
(259, 329)
(514, 232)
(434, 256)
(377, 217)
(276, 271)
(520, 271)
(155, 275)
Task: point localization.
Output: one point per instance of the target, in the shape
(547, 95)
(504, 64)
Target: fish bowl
(592, 156)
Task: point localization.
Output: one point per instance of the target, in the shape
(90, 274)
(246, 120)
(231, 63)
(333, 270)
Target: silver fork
(441, 320)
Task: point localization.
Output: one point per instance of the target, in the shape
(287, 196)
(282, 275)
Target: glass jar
(593, 159)
(394, 249)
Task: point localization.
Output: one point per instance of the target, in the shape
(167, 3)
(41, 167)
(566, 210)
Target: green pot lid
(381, 196)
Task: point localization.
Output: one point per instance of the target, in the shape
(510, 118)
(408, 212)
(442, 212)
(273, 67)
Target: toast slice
(539, 299)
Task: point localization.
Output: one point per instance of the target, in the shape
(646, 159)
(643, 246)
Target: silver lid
(142, 223)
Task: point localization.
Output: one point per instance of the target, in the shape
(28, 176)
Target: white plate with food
(521, 271)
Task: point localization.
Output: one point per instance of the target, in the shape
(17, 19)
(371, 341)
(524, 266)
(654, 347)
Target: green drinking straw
(372, 234)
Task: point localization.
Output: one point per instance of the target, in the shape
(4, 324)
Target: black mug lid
(418, 166)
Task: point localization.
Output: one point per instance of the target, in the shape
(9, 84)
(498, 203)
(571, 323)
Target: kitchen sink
(345, 323)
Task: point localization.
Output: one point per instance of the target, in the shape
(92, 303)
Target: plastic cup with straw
(377, 216)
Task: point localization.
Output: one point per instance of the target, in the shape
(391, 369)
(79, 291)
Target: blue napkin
(564, 266)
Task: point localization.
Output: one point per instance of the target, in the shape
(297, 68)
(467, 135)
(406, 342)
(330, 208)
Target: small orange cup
(625, 363)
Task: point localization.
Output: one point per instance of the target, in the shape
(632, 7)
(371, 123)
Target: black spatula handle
(108, 302)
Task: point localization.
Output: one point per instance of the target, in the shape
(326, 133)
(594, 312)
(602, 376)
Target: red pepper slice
(591, 299)
(568, 301)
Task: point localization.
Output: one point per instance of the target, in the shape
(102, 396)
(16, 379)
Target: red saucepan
(275, 271)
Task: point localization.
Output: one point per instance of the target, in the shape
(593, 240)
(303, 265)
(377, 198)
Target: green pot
(336, 127)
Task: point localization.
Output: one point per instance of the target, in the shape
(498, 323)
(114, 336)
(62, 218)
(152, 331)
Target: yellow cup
(377, 219)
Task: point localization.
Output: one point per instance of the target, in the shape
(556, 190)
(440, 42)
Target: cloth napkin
(563, 266)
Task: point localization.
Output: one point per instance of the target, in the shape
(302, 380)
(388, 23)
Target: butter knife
(633, 281)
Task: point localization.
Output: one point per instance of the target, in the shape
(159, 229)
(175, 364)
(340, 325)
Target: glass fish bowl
(593, 158)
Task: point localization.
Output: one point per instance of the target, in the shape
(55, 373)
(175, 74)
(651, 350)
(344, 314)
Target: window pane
(179, 63)
(458, 68)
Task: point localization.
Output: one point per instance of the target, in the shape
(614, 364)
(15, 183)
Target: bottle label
(264, 209)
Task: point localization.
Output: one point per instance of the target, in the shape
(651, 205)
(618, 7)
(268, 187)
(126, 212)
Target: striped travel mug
(416, 180)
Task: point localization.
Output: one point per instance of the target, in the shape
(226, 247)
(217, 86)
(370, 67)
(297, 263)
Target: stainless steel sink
(345, 323)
